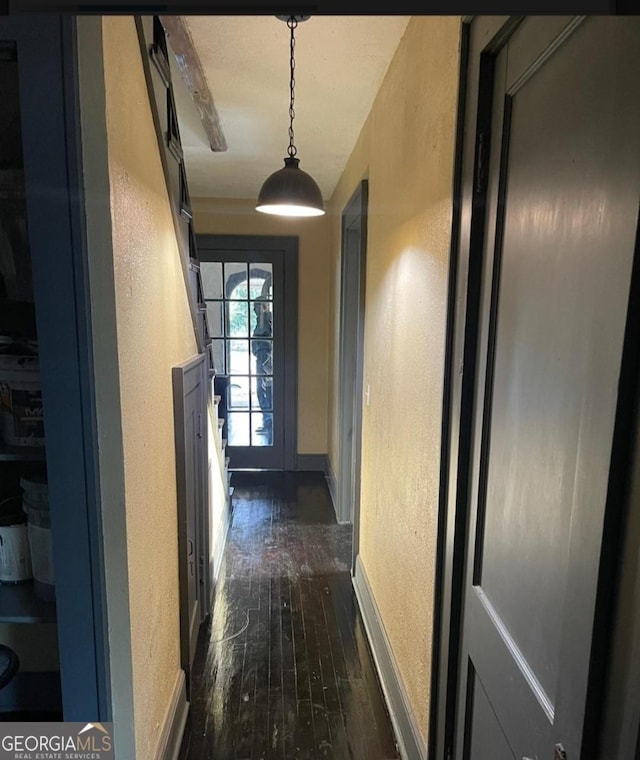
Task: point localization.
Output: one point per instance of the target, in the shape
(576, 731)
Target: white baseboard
(332, 485)
(221, 541)
(410, 742)
(174, 722)
(218, 551)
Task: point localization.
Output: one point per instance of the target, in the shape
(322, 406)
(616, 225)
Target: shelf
(21, 453)
(19, 604)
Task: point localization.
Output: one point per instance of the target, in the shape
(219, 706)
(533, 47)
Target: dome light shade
(290, 192)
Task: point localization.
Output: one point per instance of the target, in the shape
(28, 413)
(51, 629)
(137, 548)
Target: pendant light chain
(292, 23)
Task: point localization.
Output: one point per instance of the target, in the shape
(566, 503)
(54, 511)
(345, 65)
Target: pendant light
(291, 191)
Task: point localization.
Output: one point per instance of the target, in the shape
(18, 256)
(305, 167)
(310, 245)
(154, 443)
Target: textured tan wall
(239, 217)
(154, 333)
(406, 149)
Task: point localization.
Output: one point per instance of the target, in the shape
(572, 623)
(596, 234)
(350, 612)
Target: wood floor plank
(282, 667)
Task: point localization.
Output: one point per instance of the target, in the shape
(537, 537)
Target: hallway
(283, 669)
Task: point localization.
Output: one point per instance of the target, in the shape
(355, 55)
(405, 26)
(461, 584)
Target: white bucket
(35, 502)
(15, 554)
(35, 490)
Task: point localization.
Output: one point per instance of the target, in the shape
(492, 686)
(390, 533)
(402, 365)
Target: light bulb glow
(287, 209)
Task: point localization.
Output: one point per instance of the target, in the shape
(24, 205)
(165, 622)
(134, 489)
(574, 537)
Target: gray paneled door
(191, 454)
(562, 214)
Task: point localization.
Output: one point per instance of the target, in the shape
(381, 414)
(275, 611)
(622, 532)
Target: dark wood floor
(283, 669)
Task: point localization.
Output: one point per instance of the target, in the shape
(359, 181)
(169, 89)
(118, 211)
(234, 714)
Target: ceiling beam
(181, 43)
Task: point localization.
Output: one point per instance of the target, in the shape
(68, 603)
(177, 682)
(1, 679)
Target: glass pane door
(244, 305)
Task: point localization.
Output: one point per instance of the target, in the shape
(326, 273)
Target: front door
(250, 289)
(562, 215)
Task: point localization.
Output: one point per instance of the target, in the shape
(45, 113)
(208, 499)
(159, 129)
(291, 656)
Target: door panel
(193, 417)
(487, 739)
(562, 219)
(191, 471)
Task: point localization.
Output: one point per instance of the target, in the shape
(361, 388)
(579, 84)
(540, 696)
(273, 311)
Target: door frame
(208, 245)
(52, 65)
(478, 40)
(352, 291)
(481, 39)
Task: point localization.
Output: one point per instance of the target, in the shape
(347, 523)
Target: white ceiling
(340, 64)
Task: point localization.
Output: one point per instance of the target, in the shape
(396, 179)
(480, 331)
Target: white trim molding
(174, 722)
(221, 544)
(410, 742)
(332, 484)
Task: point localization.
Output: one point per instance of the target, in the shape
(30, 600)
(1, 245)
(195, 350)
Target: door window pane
(262, 430)
(218, 357)
(214, 317)
(238, 430)
(262, 393)
(261, 283)
(238, 357)
(238, 316)
(211, 275)
(235, 280)
(261, 317)
(239, 392)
